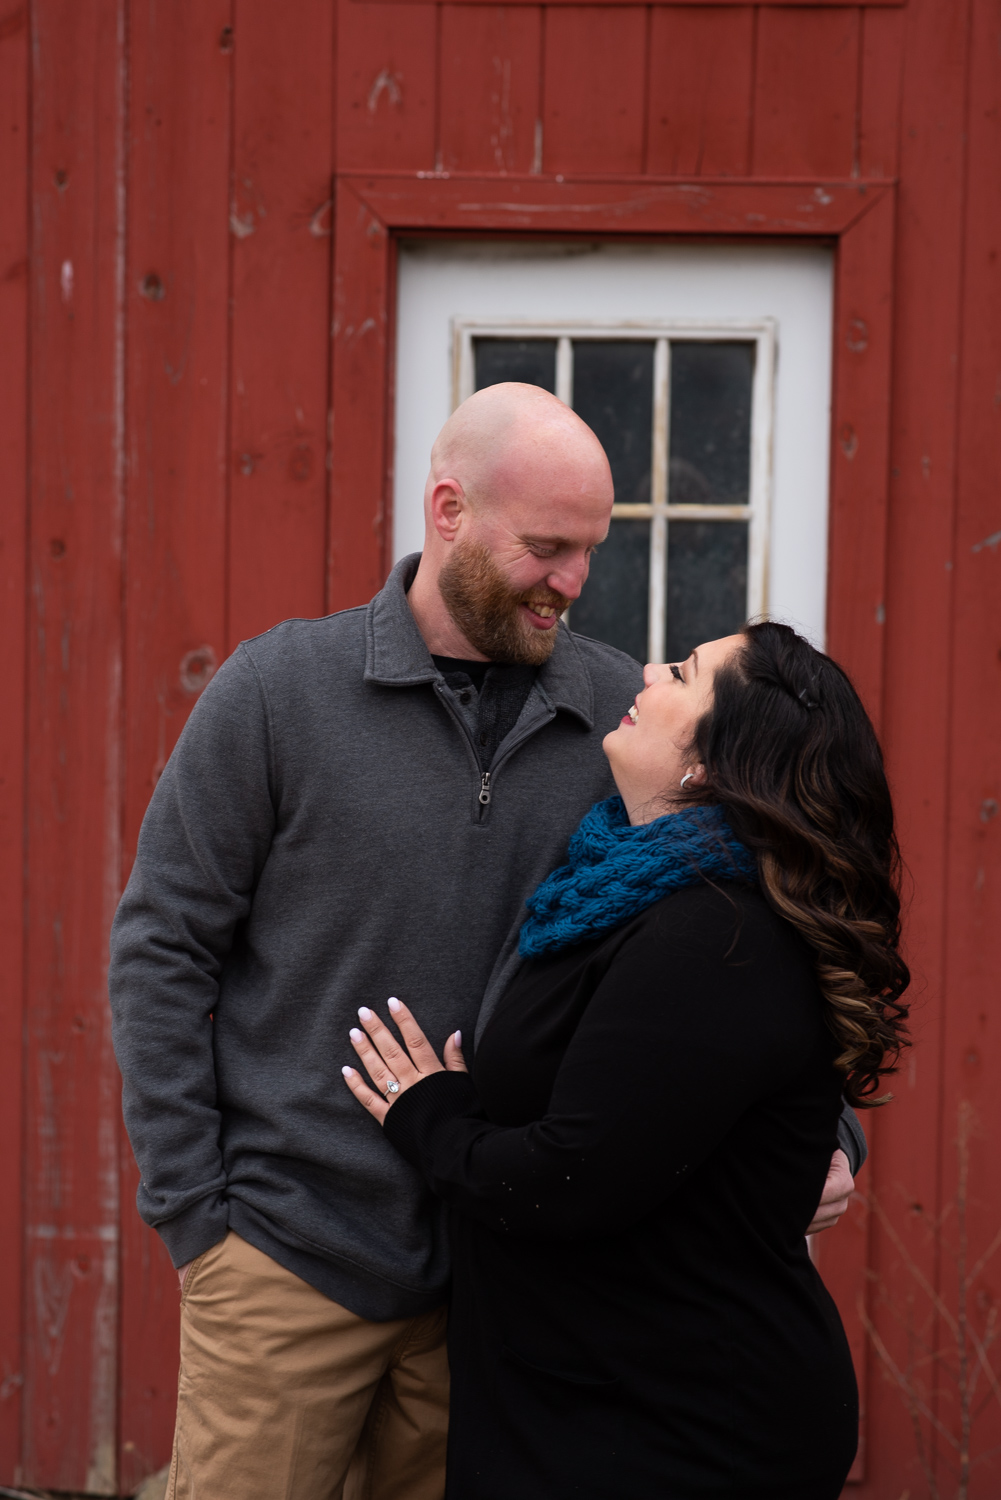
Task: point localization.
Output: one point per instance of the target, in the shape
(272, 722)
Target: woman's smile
(648, 767)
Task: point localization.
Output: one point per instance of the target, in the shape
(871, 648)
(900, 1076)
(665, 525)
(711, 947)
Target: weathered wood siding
(199, 204)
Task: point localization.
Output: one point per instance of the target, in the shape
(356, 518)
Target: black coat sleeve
(681, 1036)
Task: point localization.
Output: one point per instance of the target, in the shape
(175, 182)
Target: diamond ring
(392, 1087)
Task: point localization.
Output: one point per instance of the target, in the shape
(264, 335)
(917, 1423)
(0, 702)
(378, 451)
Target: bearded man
(358, 807)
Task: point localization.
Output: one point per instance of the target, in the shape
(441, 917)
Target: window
(684, 412)
(706, 371)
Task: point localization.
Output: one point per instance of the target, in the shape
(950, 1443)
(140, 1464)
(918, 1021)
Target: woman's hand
(386, 1062)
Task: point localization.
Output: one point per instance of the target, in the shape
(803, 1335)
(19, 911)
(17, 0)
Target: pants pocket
(193, 1270)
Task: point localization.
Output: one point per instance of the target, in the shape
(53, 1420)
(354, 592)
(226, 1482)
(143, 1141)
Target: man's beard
(488, 611)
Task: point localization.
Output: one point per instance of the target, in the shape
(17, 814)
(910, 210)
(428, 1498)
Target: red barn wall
(178, 475)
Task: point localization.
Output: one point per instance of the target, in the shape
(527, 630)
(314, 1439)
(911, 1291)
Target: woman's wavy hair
(791, 757)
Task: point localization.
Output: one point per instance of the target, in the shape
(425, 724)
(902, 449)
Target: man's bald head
(519, 495)
(510, 434)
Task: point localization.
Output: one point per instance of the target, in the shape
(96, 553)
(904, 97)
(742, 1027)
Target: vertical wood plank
(805, 92)
(71, 1197)
(594, 108)
(863, 335)
(972, 1055)
(13, 519)
(879, 113)
(489, 89)
(177, 295)
(915, 1136)
(386, 82)
(863, 350)
(359, 528)
(282, 218)
(701, 68)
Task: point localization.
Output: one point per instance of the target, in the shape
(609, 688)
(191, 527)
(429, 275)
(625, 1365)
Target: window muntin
(685, 413)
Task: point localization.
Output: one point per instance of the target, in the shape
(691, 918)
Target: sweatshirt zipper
(485, 794)
(487, 777)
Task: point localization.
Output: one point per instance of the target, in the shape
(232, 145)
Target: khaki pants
(285, 1395)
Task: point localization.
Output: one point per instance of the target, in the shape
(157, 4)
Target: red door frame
(374, 210)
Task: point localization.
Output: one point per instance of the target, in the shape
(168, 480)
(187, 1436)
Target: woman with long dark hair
(633, 1161)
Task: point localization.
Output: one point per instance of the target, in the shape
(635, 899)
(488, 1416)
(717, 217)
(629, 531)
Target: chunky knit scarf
(615, 871)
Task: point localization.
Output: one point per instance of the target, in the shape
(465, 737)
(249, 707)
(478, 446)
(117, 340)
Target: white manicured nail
(365, 1013)
(394, 1004)
(356, 1035)
(347, 1071)
(458, 1038)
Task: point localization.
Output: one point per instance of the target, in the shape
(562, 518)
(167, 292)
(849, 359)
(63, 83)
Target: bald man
(357, 808)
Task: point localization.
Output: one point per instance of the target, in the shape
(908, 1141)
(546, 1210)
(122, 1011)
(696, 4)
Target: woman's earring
(685, 778)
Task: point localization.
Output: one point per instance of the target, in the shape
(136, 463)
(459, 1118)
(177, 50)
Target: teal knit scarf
(616, 871)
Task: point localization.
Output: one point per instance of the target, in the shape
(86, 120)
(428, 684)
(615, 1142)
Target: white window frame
(759, 331)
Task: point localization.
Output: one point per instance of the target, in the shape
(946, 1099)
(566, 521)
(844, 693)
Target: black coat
(631, 1170)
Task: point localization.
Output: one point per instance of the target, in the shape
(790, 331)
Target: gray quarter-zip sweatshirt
(323, 837)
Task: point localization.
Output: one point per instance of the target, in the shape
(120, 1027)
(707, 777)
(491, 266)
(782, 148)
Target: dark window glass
(532, 361)
(706, 583)
(613, 393)
(614, 604)
(710, 460)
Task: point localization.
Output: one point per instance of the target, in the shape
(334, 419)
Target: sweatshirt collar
(396, 655)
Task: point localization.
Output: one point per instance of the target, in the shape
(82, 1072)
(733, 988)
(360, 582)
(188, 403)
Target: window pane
(710, 423)
(532, 361)
(613, 392)
(614, 604)
(706, 583)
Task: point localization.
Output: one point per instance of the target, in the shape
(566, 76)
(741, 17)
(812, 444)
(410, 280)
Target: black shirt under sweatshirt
(491, 696)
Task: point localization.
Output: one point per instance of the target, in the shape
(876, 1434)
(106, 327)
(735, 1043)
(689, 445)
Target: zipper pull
(485, 788)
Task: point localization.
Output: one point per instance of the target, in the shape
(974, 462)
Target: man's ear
(448, 503)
